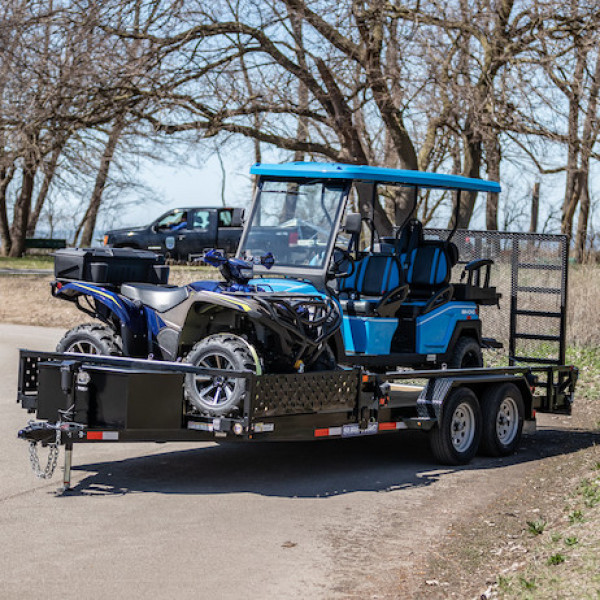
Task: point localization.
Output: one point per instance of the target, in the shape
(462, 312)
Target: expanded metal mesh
(279, 395)
(530, 271)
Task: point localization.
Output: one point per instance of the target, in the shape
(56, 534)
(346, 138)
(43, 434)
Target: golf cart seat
(375, 288)
(428, 270)
(159, 298)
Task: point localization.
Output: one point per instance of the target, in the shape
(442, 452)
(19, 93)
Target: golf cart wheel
(219, 395)
(91, 338)
(466, 354)
(455, 439)
(502, 407)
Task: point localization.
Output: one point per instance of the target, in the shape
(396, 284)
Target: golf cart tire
(466, 354)
(503, 409)
(99, 339)
(225, 351)
(455, 439)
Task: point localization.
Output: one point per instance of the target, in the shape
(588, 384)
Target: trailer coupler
(50, 434)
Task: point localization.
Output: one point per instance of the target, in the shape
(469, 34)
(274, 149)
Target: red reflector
(387, 426)
(321, 432)
(468, 317)
(293, 239)
(94, 435)
(534, 414)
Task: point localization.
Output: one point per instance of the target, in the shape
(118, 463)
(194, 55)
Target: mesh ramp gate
(530, 271)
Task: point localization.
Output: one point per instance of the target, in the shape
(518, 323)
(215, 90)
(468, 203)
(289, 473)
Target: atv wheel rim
(507, 421)
(463, 427)
(215, 391)
(82, 347)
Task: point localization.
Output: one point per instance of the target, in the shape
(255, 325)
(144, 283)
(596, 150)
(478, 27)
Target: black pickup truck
(183, 233)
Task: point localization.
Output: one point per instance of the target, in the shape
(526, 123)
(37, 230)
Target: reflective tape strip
(328, 431)
(388, 426)
(105, 436)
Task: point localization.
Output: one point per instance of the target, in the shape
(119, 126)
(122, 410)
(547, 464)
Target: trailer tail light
(59, 285)
(293, 238)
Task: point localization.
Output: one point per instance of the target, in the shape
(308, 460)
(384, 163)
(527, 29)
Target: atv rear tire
(91, 338)
(466, 354)
(220, 395)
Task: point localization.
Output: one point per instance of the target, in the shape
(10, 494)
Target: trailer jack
(50, 434)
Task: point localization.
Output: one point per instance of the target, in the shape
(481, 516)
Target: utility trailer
(89, 399)
(312, 323)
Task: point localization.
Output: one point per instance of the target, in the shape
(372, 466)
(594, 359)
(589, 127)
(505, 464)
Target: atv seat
(160, 298)
(375, 288)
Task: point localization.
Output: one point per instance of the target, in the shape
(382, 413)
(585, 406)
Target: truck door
(199, 234)
(229, 229)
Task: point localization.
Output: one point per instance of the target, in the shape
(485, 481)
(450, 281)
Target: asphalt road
(348, 518)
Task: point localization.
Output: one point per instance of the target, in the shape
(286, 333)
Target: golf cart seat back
(428, 271)
(374, 277)
(160, 299)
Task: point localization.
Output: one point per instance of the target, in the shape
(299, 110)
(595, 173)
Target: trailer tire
(91, 338)
(219, 351)
(502, 409)
(466, 354)
(455, 439)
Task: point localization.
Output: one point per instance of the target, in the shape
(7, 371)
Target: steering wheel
(337, 263)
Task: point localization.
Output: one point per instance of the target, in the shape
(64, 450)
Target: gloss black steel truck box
(110, 266)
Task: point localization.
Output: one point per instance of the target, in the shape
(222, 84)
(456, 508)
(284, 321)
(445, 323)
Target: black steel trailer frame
(89, 398)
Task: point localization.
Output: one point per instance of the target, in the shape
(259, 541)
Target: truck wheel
(466, 354)
(454, 441)
(502, 407)
(219, 395)
(91, 338)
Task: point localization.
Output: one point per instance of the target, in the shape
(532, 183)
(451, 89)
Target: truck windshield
(295, 221)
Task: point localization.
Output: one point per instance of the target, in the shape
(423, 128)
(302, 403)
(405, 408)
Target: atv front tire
(91, 338)
(218, 395)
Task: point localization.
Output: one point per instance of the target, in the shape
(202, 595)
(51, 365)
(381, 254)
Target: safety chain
(50, 467)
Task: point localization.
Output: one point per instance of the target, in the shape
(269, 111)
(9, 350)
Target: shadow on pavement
(305, 469)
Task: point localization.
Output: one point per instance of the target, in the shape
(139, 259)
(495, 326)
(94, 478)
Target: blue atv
(305, 292)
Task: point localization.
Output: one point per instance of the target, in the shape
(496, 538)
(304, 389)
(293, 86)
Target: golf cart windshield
(295, 221)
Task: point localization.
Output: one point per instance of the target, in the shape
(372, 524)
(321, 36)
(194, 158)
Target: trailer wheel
(219, 395)
(466, 354)
(455, 439)
(91, 338)
(502, 407)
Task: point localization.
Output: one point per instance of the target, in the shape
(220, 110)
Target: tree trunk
(6, 176)
(492, 157)
(18, 231)
(96, 199)
(589, 136)
(472, 165)
(582, 223)
(573, 188)
(535, 207)
(39, 203)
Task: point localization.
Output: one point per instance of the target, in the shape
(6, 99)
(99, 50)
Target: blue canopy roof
(318, 170)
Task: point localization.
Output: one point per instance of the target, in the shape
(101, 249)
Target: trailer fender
(431, 399)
